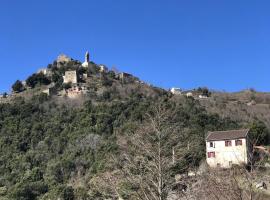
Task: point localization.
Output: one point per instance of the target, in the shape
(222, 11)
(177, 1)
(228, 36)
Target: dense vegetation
(52, 149)
(43, 144)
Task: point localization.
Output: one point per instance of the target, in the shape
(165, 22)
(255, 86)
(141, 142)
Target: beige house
(227, 148)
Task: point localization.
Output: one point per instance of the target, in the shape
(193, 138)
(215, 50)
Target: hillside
(243, 106)
(85, 136)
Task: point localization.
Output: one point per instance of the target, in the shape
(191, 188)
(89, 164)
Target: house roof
(227, 135)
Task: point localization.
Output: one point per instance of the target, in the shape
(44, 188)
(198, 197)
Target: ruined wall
(70, 77)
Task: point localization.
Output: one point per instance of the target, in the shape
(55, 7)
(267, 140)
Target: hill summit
(69, 78)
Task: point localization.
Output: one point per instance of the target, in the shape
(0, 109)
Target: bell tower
(87, 57)
(86, 60)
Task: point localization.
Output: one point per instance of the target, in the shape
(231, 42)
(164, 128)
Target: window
(228, 143)
(211, 154)
(212, 144)
(238, 142)
(230, 163)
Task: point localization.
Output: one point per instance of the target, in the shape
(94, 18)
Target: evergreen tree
(17, 86)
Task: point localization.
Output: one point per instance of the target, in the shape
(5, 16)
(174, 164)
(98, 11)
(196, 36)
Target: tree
(56, 77)
(5, 95)
(36, 79)
(67, 85)
(259, 134)
(148, 163)
(204, 91)
(17, 86)
(234, 184)
(68, 193)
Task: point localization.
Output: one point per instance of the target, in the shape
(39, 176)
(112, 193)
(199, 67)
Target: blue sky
(224, 44)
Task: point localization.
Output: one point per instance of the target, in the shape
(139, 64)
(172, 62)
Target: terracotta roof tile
(226, 135)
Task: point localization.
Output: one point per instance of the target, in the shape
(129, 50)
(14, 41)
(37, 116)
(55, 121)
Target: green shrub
(17, 86)
(37, 79)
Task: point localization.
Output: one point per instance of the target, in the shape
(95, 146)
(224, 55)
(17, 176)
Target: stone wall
(63, 58)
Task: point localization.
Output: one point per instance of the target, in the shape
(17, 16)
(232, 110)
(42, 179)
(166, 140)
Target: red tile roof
(227, 135)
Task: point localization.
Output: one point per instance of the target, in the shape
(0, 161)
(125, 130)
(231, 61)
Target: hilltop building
(45, 71)
(227, 148)
(70, 77)
(86, 60)
(63, 58)
(125, 77)
(103, 69)
(176, 91)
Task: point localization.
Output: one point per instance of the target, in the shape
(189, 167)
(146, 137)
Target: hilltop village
(69, 78)
(73, 79)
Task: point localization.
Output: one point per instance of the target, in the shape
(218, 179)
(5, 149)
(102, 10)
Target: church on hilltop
(86, 60)
(67, 77)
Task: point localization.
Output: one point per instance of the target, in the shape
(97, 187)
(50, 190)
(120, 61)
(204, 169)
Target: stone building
(63, 58)
(227, 148)
(125, 77)
(45, 71)
(103, 69)
(70, 77)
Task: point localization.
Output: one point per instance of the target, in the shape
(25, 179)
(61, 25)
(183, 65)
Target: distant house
(45, 71)
(227, 148)
(176, 91)
(203, 96)
(103, 68)
(189, 94)
(126, 78)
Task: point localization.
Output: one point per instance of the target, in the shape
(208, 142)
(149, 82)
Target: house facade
(227, 148)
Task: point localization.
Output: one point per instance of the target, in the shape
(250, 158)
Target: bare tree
(148, 161)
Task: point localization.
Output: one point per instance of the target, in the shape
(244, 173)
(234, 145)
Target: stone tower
(70, 77)
(86, 60)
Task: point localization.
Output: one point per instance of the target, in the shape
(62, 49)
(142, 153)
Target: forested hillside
(101, 146)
